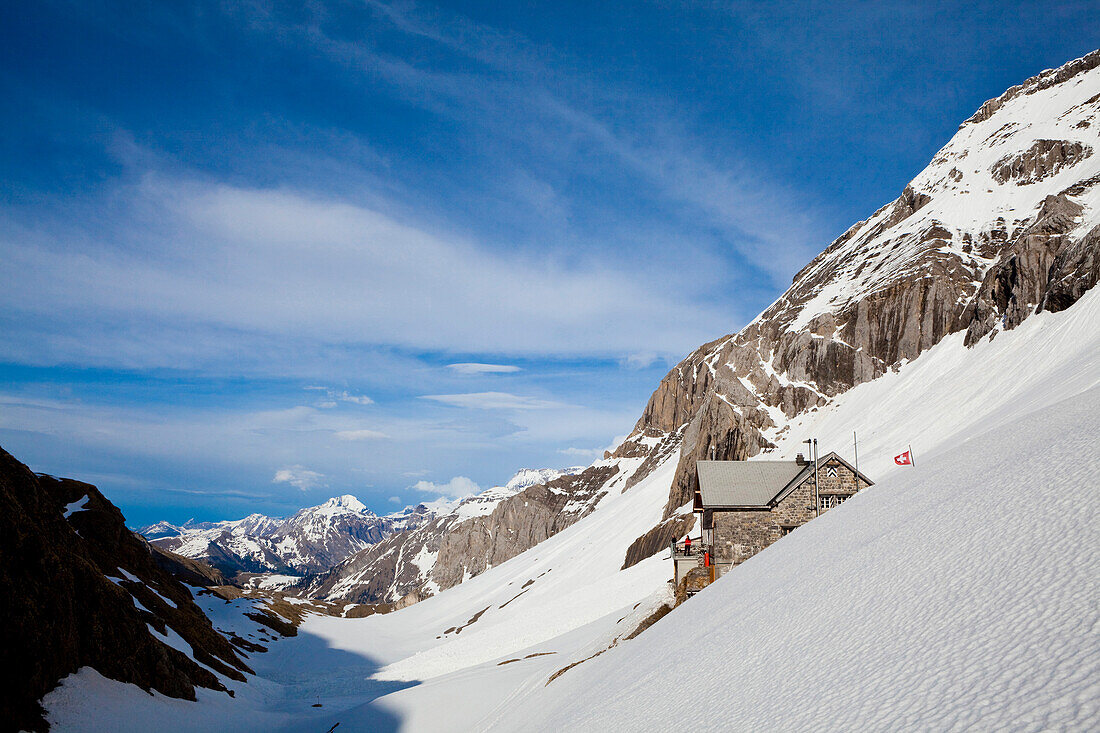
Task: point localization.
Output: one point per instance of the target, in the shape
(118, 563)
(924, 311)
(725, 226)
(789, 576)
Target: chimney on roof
(800, 459)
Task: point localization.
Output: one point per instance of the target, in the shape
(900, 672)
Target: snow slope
(958, 595)
(960, 588)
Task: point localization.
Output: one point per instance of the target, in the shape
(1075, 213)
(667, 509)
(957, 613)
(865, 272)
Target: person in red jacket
(687, 546)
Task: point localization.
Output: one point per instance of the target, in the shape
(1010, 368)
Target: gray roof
(745, 483)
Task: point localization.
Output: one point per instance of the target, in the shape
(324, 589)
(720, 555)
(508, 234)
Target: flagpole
(812, 443)
(912, 459)
(855, 447)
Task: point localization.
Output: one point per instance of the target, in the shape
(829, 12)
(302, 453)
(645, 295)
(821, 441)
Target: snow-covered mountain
(317, 539)
(1004, 222)
(962, 319)
(471, 536)
(313, 540)
(80, 590)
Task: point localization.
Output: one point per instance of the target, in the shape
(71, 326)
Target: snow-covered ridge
(484, 503)
(1003, 223)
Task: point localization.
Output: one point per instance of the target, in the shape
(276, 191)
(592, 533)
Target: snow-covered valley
(958, 588)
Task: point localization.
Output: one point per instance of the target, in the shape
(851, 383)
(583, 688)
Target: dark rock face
(1021, 279)
(1076, 269)
(61, 612)
(658, 539)
(1044, 158)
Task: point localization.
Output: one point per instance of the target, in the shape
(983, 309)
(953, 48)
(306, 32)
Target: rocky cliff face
(81, 590)
(1003, 222)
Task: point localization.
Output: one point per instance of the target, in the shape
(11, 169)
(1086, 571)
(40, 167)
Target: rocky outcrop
(81, 590)
(1019, 282)
(1044, 158)
(1076, 269)
(658, 538)
(518, 524)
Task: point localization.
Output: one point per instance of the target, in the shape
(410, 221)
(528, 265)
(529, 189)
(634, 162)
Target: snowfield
(961, 593)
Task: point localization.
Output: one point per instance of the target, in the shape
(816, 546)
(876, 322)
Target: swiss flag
(904, 459)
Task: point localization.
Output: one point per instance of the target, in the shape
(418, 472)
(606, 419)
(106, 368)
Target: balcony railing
(696, 549)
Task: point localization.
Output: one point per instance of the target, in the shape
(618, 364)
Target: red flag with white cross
(905, 459)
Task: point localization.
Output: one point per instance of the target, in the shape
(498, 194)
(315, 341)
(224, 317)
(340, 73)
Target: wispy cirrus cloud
(470, 368)
(347, 274)
(494, 401)
(361, 435)
(770, 222)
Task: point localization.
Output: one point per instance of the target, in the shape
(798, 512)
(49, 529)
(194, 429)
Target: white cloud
(493, 401)
(456, 488)
(299, 477)
(331, 397)
(641, 360)
(395, 499)
(297, 269)
(582, 452)
(476, 368)
(357, 399)
(360, 435)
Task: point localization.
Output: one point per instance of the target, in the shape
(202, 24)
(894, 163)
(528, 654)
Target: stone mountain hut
(748, 505)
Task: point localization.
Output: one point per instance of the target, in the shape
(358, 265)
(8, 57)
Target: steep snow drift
(989, 545)
(957, 595)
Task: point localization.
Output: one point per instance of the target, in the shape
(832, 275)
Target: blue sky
(254, 253)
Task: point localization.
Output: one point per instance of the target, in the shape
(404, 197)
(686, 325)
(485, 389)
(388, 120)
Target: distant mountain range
(318, 538)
